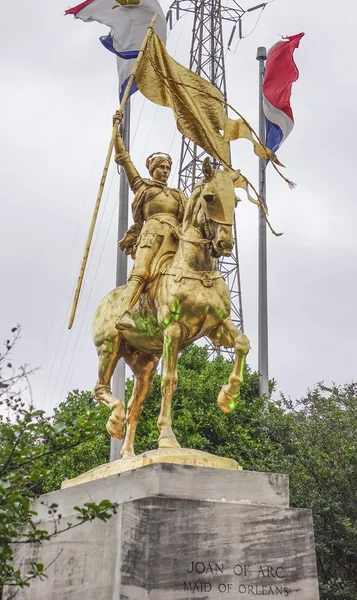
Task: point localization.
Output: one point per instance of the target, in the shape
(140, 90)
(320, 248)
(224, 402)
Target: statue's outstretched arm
(122, 157)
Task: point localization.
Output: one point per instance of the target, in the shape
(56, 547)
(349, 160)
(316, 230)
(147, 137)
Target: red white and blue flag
(280, 73)
(128, 21)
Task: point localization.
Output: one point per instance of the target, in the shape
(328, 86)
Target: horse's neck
(194, 256)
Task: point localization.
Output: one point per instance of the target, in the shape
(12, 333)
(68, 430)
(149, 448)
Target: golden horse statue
(188, 300)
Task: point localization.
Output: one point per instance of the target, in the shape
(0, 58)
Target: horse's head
(218, 201)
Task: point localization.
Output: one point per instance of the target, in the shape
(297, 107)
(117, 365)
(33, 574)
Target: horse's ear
(207, 168)
(235, 175)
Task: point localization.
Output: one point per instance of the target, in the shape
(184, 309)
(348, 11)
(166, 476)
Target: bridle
(191, 240)
(199, 187)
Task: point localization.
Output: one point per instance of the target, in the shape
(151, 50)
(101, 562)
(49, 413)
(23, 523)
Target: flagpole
(121, 270)
(104, 175)
(263, 362)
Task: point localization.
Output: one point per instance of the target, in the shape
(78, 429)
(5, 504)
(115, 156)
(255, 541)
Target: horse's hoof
(168, 441)
(116, 423)
(127, 453)
(114, 429)
(125, 322)
(225, 400)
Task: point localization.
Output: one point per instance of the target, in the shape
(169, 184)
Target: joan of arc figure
(157, 211)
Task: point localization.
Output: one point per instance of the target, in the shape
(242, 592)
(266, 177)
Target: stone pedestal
(181, 532)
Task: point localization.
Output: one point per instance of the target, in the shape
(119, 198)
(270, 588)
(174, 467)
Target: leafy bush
(28, 439)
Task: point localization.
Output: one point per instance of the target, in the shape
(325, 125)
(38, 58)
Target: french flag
(128, 21)
(280, 74)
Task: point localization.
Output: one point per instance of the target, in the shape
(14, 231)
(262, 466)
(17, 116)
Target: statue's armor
(157, 211)
(151, 240)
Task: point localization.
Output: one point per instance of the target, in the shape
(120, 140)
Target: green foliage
(320, 455)
(92, 452)
(27, 440)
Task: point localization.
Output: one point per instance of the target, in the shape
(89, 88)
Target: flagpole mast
(104, 175)
(263, 362)
(121, 269)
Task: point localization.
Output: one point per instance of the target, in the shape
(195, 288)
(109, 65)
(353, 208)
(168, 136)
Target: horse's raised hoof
(116, 423)
(125, 322)
(168, 441)
(226, 401)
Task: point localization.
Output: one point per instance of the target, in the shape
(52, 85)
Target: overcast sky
(59, 91)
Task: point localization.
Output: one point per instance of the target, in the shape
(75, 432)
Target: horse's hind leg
(231, 338)
(143, 367)
(109, 352)
(172, 342)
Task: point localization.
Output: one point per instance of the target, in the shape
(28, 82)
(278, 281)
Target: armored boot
(133, 290)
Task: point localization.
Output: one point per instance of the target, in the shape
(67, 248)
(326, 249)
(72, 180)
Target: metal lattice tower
(207, 59)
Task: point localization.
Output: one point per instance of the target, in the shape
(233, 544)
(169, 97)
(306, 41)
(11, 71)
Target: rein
(191, 241)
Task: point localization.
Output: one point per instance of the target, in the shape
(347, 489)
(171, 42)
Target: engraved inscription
(244, 579)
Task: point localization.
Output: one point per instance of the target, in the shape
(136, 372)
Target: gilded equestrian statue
(175, 294)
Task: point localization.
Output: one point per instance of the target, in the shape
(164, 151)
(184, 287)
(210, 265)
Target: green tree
(27, 439)
(320, 455)
(93, 451)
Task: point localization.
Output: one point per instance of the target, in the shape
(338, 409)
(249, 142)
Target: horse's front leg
(109, 352)
(228, 396)
(144, 367)
(172, 342)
